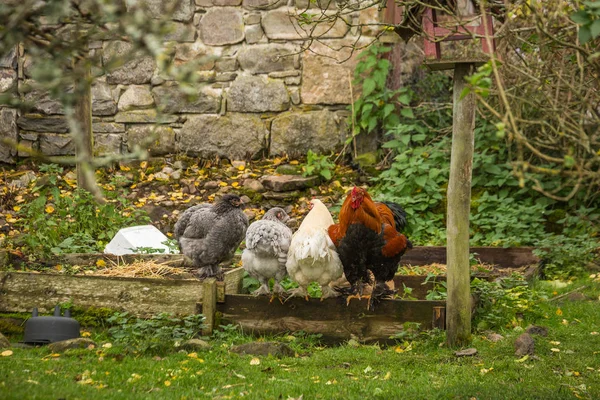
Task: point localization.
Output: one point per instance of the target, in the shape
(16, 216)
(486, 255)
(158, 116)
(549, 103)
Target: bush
(155, 334)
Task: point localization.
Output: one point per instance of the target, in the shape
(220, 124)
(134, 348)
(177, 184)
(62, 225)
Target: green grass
(427, 370)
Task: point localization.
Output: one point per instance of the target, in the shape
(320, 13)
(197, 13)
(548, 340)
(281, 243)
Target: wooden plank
(332, 317)
(502, 257)
(21, 291)
(209, 304)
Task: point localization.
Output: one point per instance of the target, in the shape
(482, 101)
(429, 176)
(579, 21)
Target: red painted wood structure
(434, 34)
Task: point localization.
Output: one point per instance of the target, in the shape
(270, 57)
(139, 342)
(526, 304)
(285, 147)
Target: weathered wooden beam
(510, 257)
(209, 305)
(332, 317)
(458, 311)
(21, 291)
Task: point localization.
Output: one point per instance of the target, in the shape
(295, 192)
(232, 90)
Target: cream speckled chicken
(312, 256)
(267, 244)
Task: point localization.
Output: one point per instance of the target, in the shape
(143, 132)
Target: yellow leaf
(593, 333)
(255, 361)
(17, 208)
(294, 162)
(101, 263)
(387, 376)
(235, 184)
(399, 349)
(124, 168)
(107, 345)
(85, 334)
(55, 355)
(11, 220)
(223, 184)
(167, 383)
(555, 350)
(241, 168)
(49, 209)
(144, 164)
(559, 311)
(193, 355)
(554, 342)
(6, 353)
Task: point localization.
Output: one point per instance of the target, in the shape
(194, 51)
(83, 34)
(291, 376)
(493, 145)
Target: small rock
(238, 164)
(288, 209)
(224, 189)
(195, 345)
(524, 344)
(466, 352)
(167, 170)
(264, 348)
(288, 169)
(77, 343)
(284, 183)
(537, 330)
(161, 176)
(279, 196)
(576, 296)
(254, 185)
(4, 343)
(176, 174)
(494, 337)
(210, 185)
(24, 180)
(245, 199)
(179, 164)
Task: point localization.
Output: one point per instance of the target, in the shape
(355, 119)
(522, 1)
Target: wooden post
(458, 311)
(209, 304)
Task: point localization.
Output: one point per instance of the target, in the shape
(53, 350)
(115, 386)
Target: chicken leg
(299, 292)
(263, 290)
(279, 292)
(210, 271)
(328, 292)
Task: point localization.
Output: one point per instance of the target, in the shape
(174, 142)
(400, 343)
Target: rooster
(312, 256)
(368, 238)
(267, 244)
(210, 233)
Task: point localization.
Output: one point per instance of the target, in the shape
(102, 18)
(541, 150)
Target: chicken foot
(279, 292)
(298, 292)
(328, 292)
(263, 290)
(211, 271)
(380, 291)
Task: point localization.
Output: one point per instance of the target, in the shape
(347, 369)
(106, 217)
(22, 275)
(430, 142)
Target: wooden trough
(222, 302)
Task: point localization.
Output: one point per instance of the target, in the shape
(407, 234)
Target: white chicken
(312, 256)
(267, 244)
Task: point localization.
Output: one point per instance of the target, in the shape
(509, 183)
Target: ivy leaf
(581, 17)
(407, 113)
(404, 99)
(368, 86)
(584, 34)
(421, 180)
(595, 28)
(387, 109)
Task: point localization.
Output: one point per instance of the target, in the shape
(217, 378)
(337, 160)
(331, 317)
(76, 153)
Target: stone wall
(261, 93)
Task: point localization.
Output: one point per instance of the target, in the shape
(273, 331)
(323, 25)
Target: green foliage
(319, 165)
(377, 105)
(588, 19)
(439, 290)
(564, 257)
(158, 333)
(505, 302)
(71, 222)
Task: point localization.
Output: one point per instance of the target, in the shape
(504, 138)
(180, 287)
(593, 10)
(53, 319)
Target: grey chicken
(210, 233)
(267, 244)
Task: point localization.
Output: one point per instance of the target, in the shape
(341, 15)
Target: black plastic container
(44, 330)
